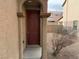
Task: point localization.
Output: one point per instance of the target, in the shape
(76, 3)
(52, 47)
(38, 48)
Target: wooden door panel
(33, 27)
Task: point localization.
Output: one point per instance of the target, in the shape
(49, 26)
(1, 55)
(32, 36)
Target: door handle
(23, 41)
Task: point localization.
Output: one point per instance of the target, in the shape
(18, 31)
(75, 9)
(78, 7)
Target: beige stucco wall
(9, 47)
(71, 12)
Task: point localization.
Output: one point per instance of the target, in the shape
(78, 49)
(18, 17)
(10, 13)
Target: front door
(33, 27)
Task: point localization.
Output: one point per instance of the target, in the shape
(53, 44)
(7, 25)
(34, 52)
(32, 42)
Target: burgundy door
(33, 27)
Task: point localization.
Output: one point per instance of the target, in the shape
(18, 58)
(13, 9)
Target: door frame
(21, 10)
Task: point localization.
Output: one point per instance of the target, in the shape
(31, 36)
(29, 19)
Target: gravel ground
(69, 52)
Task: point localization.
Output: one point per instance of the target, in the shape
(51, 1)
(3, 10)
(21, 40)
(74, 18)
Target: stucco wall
(9, 47)
(71, 12)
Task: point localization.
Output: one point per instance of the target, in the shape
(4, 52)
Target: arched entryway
(40, 6)
(32, 9)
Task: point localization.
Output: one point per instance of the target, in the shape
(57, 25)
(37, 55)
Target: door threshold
(33, 46)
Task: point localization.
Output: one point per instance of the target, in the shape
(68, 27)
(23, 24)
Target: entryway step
(33, 52)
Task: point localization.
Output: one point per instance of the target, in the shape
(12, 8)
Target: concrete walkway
(33, 52)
